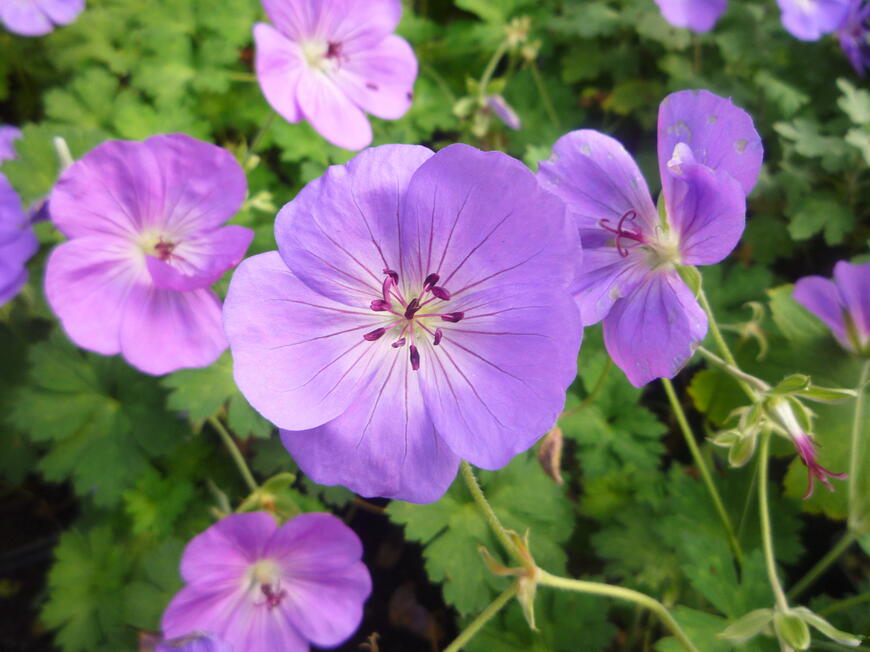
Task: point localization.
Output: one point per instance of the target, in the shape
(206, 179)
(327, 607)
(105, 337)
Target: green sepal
(791, 630)
(742, 451)
(692, 277)
(829, 395)
(747, 626)
(791, 384)
(826, 628)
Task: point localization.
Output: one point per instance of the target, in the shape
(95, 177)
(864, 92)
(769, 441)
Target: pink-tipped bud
(415, 358)
(453, 317)
(438, 335)
(375, 334)
(440, 292)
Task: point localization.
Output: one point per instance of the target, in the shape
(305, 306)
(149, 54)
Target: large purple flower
(264, 588)
(418, 311)
(38, 17)
(696, 15)
(853, 36)
(331, 61)
(17, 241)
(146, 243)
(843, 304)
(709, 158)
(809, 20)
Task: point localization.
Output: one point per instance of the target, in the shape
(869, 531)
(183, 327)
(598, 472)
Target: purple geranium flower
(331, 61)
(264, 588)
(853, 36)
(17, 241)
(195, 642)
(696, 15)
(709, 158)
(146, 243)
(843, 304)
(418, 311)
(38, 17)
(809, 20)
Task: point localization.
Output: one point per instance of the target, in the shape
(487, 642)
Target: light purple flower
(17, 240)
(843, 304)
(853, 36)
(505, 112)
(709, 158)
(696, 15)
(809, 20)
(264, 588)
(195, 642)
(331, 61)
(146, 243)
(38, 17)
(418, 311)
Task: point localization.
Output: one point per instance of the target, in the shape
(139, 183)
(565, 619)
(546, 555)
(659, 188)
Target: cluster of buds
(480, 106)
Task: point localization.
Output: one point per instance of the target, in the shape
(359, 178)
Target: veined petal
(479, 220)
(604, 278)
(496, 382)
(821, 297)
(87, 283)
(380, 79)
(14, 255)
(385, 444)
(853, 282)
(279, 68)
(696, 15)
(197, 262)
(653, 332)
(174, 184)
(808, 20)
(299, 357)
(342, 230)
(331, 112)
(720, 135)
(164, 330)
(598, 180)
(344, 21)
(707, 208)
(325, 579)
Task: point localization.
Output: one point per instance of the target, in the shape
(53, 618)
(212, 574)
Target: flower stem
(822, 565)
(738, 374)
(766, 536)
(488, 512)
(235, 453)
(485, 616)
(621, 593)
(702, 467)
(545, 96)
(845, 604)
(489, 71)
(721, 344)
(856, 450)
(252, 148)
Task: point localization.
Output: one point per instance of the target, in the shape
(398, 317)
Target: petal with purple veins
(332, 114)
(279, 68)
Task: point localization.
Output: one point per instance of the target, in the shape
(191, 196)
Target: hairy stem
(722, 345)
(702, 467)
(235, 453)
(255, 143)
(822, 565)
(489, 71)
(485, 616)
(488, 512)
(545, 96)
(857, 448)
(620, 593)
(738, 374)
(766, 536)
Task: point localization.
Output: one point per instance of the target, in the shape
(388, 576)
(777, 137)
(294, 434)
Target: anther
(398, 343)
(440, 292)
(430, 281)
(438, 335)
(415, 358)
(453, 316)
(412, 308)
(374, 335)
(392, 274)
(379, 305)
(621, 232)
(385, 288)
(333, 50)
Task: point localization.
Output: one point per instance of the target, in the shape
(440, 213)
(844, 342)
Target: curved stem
(489, 71)
(620, 593)
(488, 512)
(822, 565)
(738, 374)
(545, 96)
(485, 616)
(689, 436)
(721, 344)
(235, 453)
(252, 148)
(856, 450)
(766, 536)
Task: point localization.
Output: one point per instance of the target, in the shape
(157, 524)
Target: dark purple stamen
(438, 335)
(164, 250)
(392, 274)
(398, 343)
(375, 334)
(371, 86)
(415, 358)
(411, 308)
(440, 292)
(273, 599)
(379, 305)
(621, 232)
(333, 51)
(386, 287)
(431, 280)
(453, 317)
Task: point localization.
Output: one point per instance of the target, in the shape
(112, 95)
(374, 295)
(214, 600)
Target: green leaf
(156, 502)
(794, 321)
(715, 394)
(821, 213)
(452, 529)
(855, 102)
(147, 596)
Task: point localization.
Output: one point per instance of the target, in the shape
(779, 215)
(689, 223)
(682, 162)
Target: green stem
(488, 512)
(848, 603)
(252, 148)
(620, 593)
(485, 616)
(489, 71)
(235, 453)
(721, 343)
(702, 467)
(545, 96)
(857, 452)
(822, 565)
(766, 536)
(738, 374)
